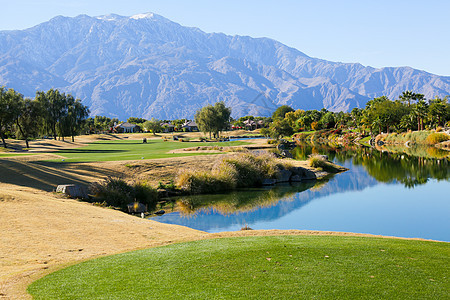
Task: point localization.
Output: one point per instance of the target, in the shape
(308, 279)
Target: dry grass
(230, 172)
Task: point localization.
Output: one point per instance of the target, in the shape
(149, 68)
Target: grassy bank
(415, 137)
(238, 171)
(134, 150)
(278, 267)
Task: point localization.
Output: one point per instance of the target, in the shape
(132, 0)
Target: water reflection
(388, 193)
(411, 166)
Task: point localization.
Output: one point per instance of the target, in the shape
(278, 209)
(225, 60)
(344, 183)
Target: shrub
(317, 161)
(145, 194)
(240, 170)
(201, 182)
(114, 191)
(436, 138)
(439, 129)
(118, 193)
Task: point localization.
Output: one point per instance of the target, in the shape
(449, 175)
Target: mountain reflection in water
(388, 193)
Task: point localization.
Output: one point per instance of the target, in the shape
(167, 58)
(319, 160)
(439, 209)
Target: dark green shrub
(114, 191)
(147, 195)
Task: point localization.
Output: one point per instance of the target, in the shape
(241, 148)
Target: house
(190, 126)
(250, 124)
(127, 128)
(167, 127)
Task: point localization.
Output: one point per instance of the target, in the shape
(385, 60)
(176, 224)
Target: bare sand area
(41, 231)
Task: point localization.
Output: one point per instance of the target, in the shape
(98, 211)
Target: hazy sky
(379, 33)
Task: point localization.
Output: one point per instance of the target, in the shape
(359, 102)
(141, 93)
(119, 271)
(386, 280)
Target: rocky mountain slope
(148, 66)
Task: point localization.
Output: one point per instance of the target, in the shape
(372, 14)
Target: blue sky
(377, 33)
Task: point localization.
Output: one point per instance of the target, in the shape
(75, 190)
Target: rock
(296, 178)
(269, 181)
(160, 212)
(284, 176)
(303, 173)
(137, 207)
(286, 154)
(72, 190)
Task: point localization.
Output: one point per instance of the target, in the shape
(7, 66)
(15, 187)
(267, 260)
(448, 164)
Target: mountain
(148, 66)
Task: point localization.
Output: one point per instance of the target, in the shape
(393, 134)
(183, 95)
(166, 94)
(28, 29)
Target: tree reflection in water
(410, 166)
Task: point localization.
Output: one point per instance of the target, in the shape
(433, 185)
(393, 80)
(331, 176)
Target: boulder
(303, 173)
(284, 176)
(268, 181)
(72, 190)
(137, 207)
(296, 178)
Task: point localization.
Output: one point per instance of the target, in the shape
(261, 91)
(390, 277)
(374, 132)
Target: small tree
(153, 125)
(281, 112)
(280, 128)
(27, 120)
(213, 119)
(8, 110)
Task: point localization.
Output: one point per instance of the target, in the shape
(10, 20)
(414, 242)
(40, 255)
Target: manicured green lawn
(133, 149)
(283, 267)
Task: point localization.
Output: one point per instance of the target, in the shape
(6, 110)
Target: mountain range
(148, 66)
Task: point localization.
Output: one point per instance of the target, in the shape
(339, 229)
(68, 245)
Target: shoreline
(46, 232)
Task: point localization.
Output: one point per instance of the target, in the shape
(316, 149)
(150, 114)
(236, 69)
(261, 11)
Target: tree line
(50, 113)
(412, 111)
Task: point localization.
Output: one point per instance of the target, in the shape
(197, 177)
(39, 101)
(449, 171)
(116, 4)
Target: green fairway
(280, 267)
(133, 150)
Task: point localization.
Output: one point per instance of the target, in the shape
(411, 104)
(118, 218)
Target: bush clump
(437, 137)
(240, 170)
(118, 193)
(320, 162)
(317, 161)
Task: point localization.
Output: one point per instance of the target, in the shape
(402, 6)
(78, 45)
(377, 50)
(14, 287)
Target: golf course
(69, 249)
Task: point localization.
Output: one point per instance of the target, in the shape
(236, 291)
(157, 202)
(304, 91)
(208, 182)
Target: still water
(403, 192)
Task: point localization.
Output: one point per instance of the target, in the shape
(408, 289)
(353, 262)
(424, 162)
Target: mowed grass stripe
(133, 150)
(280, 267)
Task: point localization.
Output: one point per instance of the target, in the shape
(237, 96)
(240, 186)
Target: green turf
(283, 267)
(133, 149)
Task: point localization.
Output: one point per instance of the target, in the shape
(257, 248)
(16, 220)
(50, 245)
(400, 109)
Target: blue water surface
(353, 201)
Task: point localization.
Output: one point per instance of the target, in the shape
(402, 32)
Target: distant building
(250, 124)
(167, 127)
(190, 126)
(127, 128)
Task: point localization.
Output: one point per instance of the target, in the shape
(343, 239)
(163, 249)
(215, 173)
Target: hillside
(148, 66)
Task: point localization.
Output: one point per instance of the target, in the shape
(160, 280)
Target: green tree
(53, 107)
(27, 120)
(213, 119)
(438, 110)
(281, 112)
(8, 110)
(280, 128)
(328, 120)
(134, 120)
(407, 97)
(420, 110)
(76, 116)
(153, 125)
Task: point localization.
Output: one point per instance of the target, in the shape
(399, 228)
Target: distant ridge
(148, 66)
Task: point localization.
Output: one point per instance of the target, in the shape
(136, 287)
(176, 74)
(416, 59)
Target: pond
(402, 192)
